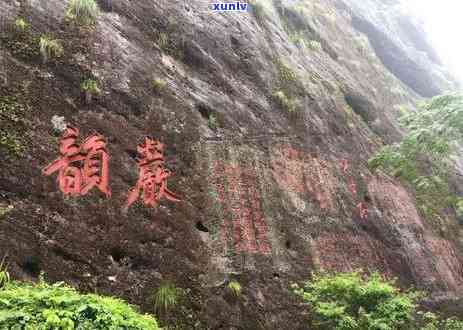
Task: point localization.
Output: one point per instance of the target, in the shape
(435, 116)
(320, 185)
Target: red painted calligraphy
(152, 182)
(81, 168)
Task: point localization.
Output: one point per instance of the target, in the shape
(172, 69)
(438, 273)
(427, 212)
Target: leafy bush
(284, 101)
(84, 12)
(432, 322)
(57, 306)
(235, 288)
(50, 48)
(423, 157)
(166, 297)
(346, 301)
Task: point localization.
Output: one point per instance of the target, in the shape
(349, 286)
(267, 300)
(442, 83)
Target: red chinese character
(344, 165)
(81, 167)
(363, 210)
(153, 176)
(353, 187)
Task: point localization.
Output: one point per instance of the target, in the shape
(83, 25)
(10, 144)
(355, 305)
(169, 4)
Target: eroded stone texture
(264, 199)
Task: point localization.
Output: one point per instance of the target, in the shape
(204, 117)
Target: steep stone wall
(267, 196)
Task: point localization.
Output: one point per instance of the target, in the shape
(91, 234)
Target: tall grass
(166, 297)
(50, 48)
(84, 12)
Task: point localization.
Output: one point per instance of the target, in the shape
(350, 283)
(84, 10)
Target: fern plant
(50, 48)
(84, 12)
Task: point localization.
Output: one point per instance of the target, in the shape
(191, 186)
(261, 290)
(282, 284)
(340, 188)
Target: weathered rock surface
(265, 199)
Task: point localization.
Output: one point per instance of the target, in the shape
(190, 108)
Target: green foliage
(284, 101)
(362, 45)
(57, 306)
(11, 142)
(423, 157)
(212, 121)
(315, 45)
(235, 288)
(158, 85)
(258, 10)
(346, 301)
(84, 12)
(166, 297)
(430, 321)
(4, 275)
(21, 25)
(12, 115)
(170, 38)
(285, 74)
(50, 48)
(90, 86)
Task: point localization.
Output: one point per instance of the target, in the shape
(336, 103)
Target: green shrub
(50, 48)
(235, 288)
(158, 85)
(21, 25)
(284, 101)
(424, 156)
(84, 12)
(57, 306)
(346, 301)
(166, 297)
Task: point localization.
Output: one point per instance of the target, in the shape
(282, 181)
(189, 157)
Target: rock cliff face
(267, 195)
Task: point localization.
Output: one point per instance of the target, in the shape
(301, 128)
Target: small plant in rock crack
(166, 297)
(212, 122)
(284, 101)
(83, 12)
(21, 25)
(50, 48)
(315, 45)
(158, 85)
(90, 87)
(235, 288)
